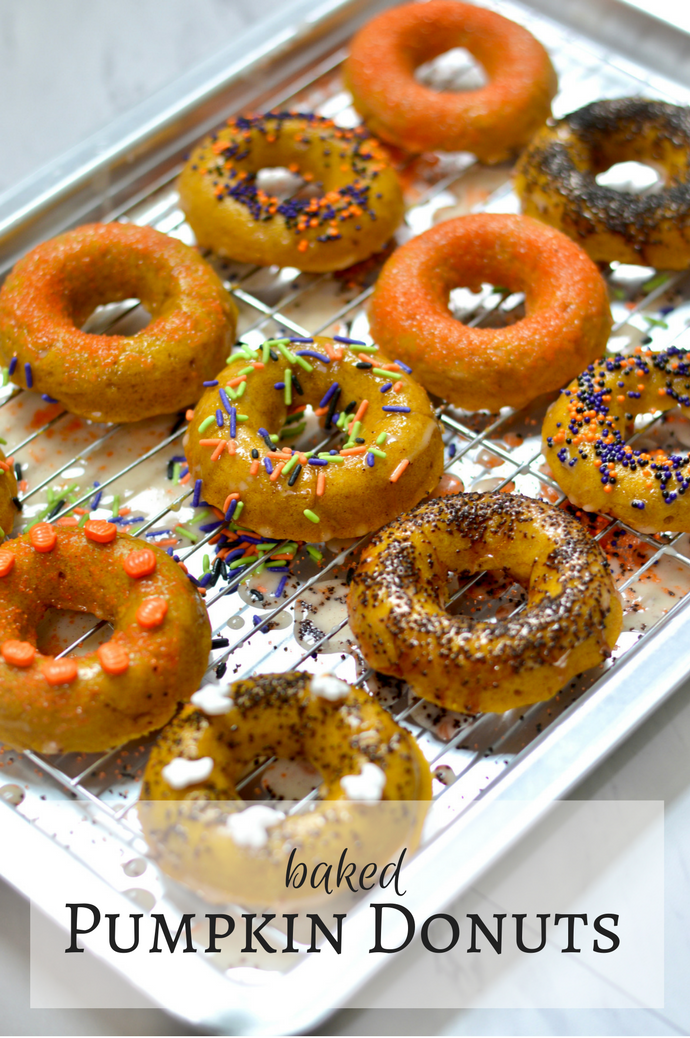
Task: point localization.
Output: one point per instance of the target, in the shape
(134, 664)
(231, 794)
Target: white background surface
(67, 67)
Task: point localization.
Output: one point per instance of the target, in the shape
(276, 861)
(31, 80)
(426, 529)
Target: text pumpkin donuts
(392, 455)
(115, 378)
(357, 209)
(396, 602)
(365, 759)
(132, 683)
(493, 122)
(584, 435)
(567, 318)
(556, 181)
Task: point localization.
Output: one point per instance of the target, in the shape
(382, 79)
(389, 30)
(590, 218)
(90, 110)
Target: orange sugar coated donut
(132, 683)
(115, 378)
(8, 496)
(357, 209)
(584, 436)
(492, 122)
(567, 320)
(388, 455)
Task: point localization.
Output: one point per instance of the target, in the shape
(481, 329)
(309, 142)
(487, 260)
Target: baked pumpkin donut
(555, 180)
(493, 122)
(566, 325)
(373, 798)
(396, 602)
(357, 210)
(8, 496)
(132, 683)
(115, 378)
(391, 458)
(584, 437)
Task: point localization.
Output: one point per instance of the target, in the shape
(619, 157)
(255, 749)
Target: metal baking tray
(127, 172)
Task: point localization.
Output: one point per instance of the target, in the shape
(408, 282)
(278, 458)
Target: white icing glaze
(325, 686)
(368, 785)
(180, 772)
(213, 699)
(249, 828)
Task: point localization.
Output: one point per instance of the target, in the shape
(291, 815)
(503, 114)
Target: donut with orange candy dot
(585, 432)
(130, 684)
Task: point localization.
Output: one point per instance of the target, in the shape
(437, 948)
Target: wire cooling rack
(136, 474)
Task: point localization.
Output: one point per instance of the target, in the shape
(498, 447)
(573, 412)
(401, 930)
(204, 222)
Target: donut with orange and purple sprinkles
(585, 431)
(358, 207)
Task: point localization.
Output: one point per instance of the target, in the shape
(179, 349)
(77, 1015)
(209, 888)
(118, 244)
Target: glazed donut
(584, 437)
(396, 602)
(8, 496)
(132, 683)
(115, 378)
(566, 326)
(492, 122)
(376, 784)
(357, 210)
(392, 458)
(555, 180)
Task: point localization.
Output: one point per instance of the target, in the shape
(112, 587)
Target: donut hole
(632, 177)
(493, 306)
(59, 628)
(454, 71)
(282, 183)
(284, 779)
(491, 597)
(126, 317)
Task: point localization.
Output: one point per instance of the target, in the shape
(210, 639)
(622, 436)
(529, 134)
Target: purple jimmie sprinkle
(279, 385)
(300, 338)
(211, 382)
(231, 510)
(97, 497)
(219, 418)
(196, 497)
(348, 342)
(236, 554)
(404, 367)
(316, 356)
(233, 422)
(48, 399)
(452, 450)
(29, 375)
(224, 399)
(370, 460)
(208, 527)
(281, 586)
(318, 461)
(269, 465)
(397, 410)
(330, 392)
(12, 365)
(384, 389)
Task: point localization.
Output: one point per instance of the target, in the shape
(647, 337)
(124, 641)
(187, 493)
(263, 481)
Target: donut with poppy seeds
(115, 378)
(555, 180)
(584, 436)
(372, 799)
(132, 683)
(358, 206)
(396, 602)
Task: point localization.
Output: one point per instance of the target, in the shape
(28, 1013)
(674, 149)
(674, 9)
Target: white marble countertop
(67, 67)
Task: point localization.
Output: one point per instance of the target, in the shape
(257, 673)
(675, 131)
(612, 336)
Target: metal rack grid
(477, 750)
